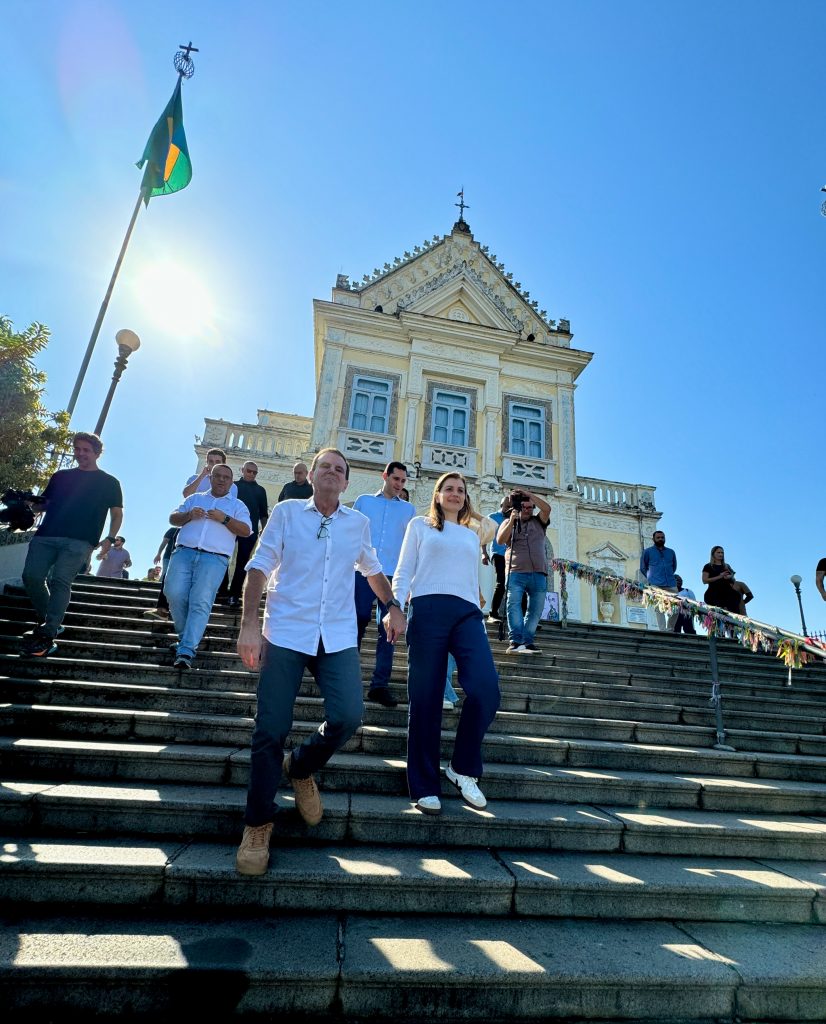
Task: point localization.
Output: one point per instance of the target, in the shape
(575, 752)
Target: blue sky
(650, 171)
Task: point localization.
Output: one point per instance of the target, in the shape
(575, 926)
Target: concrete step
(94, 766)
(516, 735)
(350, 966)
(430, 880)
(186, 811)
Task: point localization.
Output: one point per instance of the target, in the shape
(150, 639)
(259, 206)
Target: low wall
(13, 550)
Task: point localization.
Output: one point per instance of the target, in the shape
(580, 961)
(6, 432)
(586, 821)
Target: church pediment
(607, 552)
(454, 278)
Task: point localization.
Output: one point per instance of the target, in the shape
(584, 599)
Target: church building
(442, 361)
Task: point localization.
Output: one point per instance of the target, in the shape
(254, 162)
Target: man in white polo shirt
(209, 521)
(307, 549)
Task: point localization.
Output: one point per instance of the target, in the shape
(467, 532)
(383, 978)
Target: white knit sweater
(441, 561)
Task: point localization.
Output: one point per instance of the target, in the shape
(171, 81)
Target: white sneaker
(448, 705)
(522, 649)
(467, 786)
(429, 804)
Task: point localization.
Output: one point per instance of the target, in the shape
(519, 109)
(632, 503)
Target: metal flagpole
(70, 408)
(185, 67)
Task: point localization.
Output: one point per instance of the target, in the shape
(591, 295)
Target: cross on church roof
(461, 204)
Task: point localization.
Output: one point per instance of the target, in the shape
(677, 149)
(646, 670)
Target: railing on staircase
(794, 650)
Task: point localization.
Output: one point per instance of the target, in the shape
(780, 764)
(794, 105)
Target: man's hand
(197, 513)
(395, 624)
(485, 559)
(250, 643)
(156, 560)
(216, 515)
(104, 546)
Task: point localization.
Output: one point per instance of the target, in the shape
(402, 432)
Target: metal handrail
(720, 619)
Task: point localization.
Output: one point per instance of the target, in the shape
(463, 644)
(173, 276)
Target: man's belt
(202, 550)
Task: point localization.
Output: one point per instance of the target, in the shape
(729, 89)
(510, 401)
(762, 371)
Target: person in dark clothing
(164, 553)
(76, 502)
(718, 576)
(254, 497)
(299, 486)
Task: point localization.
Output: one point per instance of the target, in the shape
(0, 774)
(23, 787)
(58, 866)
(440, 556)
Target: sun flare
(175, 299)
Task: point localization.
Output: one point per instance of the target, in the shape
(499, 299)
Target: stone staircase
(624, 869)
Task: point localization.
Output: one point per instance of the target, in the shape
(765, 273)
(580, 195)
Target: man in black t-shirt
(820, 572)
(76, 502)
(254, 496)
(299, 486)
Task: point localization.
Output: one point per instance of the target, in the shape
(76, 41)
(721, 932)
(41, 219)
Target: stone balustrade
(615, 494)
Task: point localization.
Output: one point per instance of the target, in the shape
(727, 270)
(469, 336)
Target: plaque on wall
(637, 615)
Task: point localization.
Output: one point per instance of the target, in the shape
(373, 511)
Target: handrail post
(716, 695)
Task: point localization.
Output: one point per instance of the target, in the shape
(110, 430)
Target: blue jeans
(60, 559)
(338, 677)
(521, 630)
(440, 625)
(191, 584)
(365, 598)
(450, 693)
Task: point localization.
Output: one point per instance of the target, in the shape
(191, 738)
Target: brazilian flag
(168, 168)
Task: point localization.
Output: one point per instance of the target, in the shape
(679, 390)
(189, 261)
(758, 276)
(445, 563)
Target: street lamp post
(796, 581)
(127, 342)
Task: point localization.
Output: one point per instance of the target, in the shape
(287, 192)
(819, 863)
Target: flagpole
(185, 67)
(70, 408)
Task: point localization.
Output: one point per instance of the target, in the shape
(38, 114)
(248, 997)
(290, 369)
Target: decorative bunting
(793, 650)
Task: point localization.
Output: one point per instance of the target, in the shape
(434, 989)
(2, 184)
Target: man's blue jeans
(58, 560)
(365, 599)
(191, 584)
(338, 677)
(535, 585)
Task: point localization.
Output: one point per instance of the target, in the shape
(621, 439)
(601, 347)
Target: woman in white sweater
(439, 569)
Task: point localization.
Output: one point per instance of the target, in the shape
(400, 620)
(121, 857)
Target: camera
(17, 514)
(518, 498)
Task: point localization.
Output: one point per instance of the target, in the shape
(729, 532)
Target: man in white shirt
(209, 521)
(307, 550)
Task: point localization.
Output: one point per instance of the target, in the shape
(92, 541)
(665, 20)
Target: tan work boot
(307, 797)
(254, 852)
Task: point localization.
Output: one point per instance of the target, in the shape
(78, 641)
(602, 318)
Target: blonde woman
(439, 569)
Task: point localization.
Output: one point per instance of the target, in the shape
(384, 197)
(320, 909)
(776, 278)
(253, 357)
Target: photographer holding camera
(523, 534)
(76, 502)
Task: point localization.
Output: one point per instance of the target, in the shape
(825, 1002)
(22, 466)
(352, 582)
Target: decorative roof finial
(461, 204)
(184, 64)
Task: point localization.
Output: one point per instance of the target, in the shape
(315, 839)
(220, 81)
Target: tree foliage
(31, 438)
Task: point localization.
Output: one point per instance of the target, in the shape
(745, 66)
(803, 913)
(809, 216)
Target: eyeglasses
(323, 531)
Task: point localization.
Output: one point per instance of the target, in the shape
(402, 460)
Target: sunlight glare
(175, 299)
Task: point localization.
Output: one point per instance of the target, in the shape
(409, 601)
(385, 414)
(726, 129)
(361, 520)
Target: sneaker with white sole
(467, 786)
(253, 854)
(512, 649)
(429, 804)
(524, 649)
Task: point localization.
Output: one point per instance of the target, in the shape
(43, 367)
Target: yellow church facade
(441, 361)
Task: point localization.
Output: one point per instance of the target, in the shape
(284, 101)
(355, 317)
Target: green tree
(31, 438)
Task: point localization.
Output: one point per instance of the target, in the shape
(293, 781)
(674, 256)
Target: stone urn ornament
(606, 603)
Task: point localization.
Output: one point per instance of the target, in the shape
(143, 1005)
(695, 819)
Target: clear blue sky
(650, 171)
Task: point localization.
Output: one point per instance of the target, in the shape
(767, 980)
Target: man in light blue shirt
(658, 564)
(389, 516)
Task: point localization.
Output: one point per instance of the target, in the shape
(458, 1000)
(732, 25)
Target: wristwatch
(111, 539)
(392, 603)
(226, 519)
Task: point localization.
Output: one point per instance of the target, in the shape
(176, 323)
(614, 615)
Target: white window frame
(378, 388)
(457, 402)
(524, 417)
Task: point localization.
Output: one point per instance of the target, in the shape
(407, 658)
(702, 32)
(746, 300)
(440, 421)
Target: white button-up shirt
(310, 594)
(206, 534)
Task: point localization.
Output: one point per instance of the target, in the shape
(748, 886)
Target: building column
(567, 529)
(567, 439)
(325, 402)
(489, 467)
(409, 447)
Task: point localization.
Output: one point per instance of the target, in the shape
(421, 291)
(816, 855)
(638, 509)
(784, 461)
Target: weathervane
(462, 204)
(184, 64)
